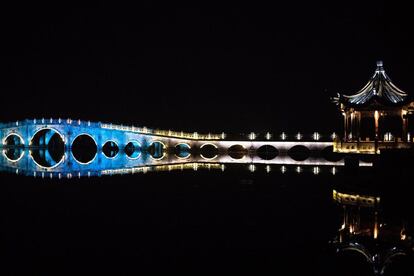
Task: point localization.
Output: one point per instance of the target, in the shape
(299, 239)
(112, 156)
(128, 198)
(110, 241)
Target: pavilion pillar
(351, 132)
(345, 126)
(355, 125)
(358, 125)
(376, 119)
(348, 125)
(404, 126)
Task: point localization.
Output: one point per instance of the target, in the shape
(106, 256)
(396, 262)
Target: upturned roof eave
(378, 89)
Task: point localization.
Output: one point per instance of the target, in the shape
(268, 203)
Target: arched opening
(13, 154)
(133, 149)
(182, 150)
(47, 138)
(237, 151)
(208, 151)
(157, 150)
(330, 155)
(267, 152)
(84, 149)
(299, 153)
(110, 149)
(13, 140)
(47, 148)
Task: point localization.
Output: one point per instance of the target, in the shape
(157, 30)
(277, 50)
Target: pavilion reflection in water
(367, 239)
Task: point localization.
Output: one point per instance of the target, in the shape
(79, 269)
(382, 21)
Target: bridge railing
(9, 124)
(49, 121)
(169, 133)
(281, 136)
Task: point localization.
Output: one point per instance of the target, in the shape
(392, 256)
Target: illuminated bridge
(50, 146)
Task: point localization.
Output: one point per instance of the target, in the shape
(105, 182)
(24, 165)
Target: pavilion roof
(379, 91)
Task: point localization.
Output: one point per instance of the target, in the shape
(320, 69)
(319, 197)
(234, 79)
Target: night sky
(199, 68)
(232, 68)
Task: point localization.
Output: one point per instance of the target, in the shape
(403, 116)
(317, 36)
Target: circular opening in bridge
(299, 153)
(267, 152)
(47, 138)
(110, 149)
(133, 149)
(330, 155)
(182, 150)
(353, 262)
(157, 150)
(84, 149)
(47, 148)
(13, 154)
(208, 151)
(13, 140)
(237, 151)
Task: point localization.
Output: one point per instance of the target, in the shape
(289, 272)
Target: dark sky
(206, 68)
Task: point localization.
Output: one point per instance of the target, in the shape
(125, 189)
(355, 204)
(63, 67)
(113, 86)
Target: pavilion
(376, 117)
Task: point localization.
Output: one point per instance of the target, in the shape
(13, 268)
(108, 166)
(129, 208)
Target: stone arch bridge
(164, 143)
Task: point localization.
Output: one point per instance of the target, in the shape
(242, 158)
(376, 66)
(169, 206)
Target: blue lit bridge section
(66, 148)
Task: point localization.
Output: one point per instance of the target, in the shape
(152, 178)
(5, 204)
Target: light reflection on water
(285, 204)
(110, 160)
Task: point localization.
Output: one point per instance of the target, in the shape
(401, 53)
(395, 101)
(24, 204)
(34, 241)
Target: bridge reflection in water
(46, 162)
(24, 164)
(66, 148)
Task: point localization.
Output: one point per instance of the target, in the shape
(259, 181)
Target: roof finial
(380, 63)
(379, 67)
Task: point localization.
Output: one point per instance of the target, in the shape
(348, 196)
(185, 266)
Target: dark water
(187, 221)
